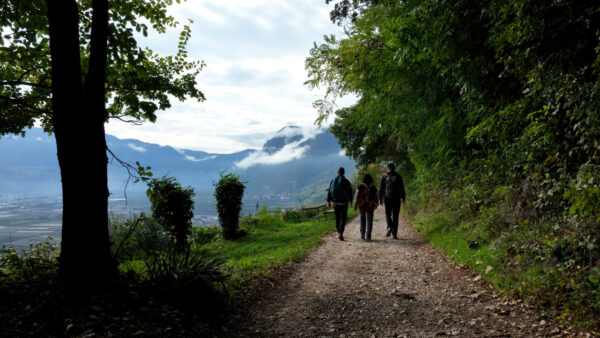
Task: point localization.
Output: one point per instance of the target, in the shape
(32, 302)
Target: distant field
(26, 219)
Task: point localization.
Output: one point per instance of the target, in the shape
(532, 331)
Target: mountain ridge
(289, 160)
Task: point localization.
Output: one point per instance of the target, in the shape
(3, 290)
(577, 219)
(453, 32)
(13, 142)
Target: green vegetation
(172, 207)
(37, 263)
(271, 242)
(491, 112)
(229, 191)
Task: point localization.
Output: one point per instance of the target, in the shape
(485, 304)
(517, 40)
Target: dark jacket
(382, 186)
(347, 187)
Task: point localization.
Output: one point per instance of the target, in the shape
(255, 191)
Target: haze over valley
(292, 169)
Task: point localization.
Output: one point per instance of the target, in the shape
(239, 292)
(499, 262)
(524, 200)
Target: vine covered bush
(229, 191)
(172, 207)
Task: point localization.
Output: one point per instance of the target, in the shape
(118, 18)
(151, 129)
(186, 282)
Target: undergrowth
(551, 260)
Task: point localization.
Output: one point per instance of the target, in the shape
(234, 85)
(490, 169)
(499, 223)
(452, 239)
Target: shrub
(302, 215)
(39, 262)
(134, 239)
(172, 207)
(203, 235)
(195, 282)
(229, 191)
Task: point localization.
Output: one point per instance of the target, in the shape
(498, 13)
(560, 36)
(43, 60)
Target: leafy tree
(73, 65)
(172, 207)
(229, 192)
(465, 86)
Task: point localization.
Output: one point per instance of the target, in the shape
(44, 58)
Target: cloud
(254, 79)
(286, 154)
(195, 159)
(289, 152)
(136, 148)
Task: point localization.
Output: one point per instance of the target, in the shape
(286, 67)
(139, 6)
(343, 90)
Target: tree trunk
(78, 118)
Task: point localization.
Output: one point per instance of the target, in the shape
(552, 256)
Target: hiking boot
(395, 237)
(389, 233)
(368, 240)
(341, 237)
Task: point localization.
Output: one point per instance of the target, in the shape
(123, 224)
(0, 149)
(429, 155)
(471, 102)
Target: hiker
(366, 201)
(340, 193)
(392, 194)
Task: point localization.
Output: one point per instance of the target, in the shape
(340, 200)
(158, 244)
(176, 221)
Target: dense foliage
(38, 263)
(229, 191)
(493, 108)
(172, 207)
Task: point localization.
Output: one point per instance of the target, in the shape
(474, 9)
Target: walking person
(340, 193)
(392, 194)
(366, 201)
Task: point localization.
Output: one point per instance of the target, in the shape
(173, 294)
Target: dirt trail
(384, 288)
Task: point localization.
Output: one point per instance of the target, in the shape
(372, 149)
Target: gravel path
(385, 288)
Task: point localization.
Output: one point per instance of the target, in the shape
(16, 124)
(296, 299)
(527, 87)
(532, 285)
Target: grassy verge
(270, 243)
(541, 262)
(485, 259)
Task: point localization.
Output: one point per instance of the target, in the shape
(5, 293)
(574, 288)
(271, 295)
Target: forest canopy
(507, 89)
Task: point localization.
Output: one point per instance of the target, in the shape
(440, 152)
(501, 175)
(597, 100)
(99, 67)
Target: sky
(254, 52)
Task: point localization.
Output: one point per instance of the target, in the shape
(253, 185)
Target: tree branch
(22, 83)
(27, 72)
(26, 104)
(132, 172)
(120, 118)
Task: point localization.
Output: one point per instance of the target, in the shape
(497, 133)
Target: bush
(229, 192)
(302, 215)
(39, 262)
(172, 207)
(203, 235)
(134, 239)
(195, 282)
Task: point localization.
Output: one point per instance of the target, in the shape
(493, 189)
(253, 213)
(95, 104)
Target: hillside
(289, 161)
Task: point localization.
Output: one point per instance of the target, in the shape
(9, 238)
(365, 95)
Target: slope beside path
(384, 288)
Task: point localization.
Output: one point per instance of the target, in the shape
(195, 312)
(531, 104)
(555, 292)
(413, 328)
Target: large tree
(73, 65)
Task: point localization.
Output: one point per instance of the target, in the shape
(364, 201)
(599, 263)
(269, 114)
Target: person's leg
(338, 217)
(343, 217)
(396, 214)
(388, 215)
(369, 224)
(363, 224)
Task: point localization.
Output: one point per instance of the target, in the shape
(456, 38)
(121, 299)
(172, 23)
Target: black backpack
(337, 189)
(392, 186)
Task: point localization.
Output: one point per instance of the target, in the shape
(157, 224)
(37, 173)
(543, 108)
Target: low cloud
(136, 148)
(195, 159)
(289, 152)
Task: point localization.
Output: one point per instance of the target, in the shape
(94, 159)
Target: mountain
(293, 166)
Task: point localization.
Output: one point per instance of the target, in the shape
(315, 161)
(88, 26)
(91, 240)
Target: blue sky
(254, 51)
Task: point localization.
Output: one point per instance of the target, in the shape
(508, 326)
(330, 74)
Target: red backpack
(365, 199)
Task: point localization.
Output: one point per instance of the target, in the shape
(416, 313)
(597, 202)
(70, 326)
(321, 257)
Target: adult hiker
(391, 192)
(366, 201)
(340, 193)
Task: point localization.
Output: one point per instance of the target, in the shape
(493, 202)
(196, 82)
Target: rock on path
(384, 288)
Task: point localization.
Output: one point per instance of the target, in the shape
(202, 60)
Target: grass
(486, 259)
(269, 244)
(523, 259)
